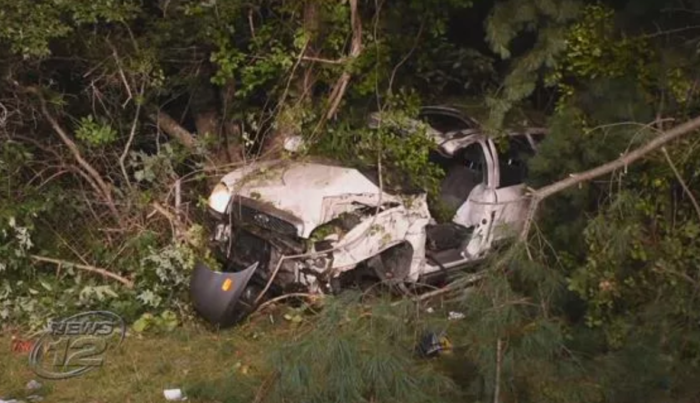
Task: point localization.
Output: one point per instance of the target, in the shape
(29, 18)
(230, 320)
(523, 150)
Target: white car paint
(317, 193)
(386, 229)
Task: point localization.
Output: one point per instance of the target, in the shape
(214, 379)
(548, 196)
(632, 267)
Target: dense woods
(117, 117)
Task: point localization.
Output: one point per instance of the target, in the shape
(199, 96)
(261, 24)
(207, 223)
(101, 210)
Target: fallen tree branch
(538, 195)
(104, 272)
(173, 129)
(457, 285)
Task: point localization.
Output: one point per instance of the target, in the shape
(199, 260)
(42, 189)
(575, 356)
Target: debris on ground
(19, 345)
(432, 344)
(33, 385)
(455, 316)
(174, 394)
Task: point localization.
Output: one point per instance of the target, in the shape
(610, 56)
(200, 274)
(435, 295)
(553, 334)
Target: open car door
(478, 210)
(468, 189)
(512, 206)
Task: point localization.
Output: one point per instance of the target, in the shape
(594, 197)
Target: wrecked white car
(285, 226)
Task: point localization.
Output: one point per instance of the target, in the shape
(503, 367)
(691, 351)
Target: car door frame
(484, 202)
(512, 205)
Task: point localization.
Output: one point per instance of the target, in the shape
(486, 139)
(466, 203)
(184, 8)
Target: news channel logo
(76, 345)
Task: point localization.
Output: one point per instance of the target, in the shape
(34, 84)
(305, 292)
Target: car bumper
(217, 296)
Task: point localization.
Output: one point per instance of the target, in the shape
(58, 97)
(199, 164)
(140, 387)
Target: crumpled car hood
(313, 192)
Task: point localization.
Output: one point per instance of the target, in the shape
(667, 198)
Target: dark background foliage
(110, 108)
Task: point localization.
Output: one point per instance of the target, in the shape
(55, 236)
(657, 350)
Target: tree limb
(574, 179)
(92, 269)
(173, 129)
(355, 49)
(132, 134)
(684, 185)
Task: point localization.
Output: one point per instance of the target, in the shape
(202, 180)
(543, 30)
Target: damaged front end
(221, 297)
(297, 228)
(245, 239)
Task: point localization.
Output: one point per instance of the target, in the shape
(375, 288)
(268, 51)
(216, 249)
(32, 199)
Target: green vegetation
(116, 116)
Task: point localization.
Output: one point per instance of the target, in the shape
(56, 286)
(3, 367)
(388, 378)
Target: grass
(193, 358)
(229, 366)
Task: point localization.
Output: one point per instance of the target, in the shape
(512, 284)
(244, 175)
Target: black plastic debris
(432, 344)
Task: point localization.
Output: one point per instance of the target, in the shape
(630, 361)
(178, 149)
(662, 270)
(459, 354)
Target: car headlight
(219, 198)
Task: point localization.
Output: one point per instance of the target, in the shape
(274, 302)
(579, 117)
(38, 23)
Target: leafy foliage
(604, 306)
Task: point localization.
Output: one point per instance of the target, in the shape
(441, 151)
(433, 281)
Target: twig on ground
(455, 286)
(287, 296)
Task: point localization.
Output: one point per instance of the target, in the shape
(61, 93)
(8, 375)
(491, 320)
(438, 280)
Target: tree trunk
(232, 144)
(303, 84)
(205, 108)
(312, 25)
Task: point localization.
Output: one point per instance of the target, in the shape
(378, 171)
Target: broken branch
(574, 179)
(173, 129)
(92, 269)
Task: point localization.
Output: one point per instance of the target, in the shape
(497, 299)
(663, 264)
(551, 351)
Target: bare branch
(121, 74)
(626, 159)
(92, 269)
(355, 49)
(95, 176)
(407, 56)
(323, 60)
(173, 129)
(686, 189)
(122, 158)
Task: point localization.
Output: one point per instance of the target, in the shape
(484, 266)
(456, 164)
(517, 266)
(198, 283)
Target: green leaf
(140, 325)
(108, 290)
